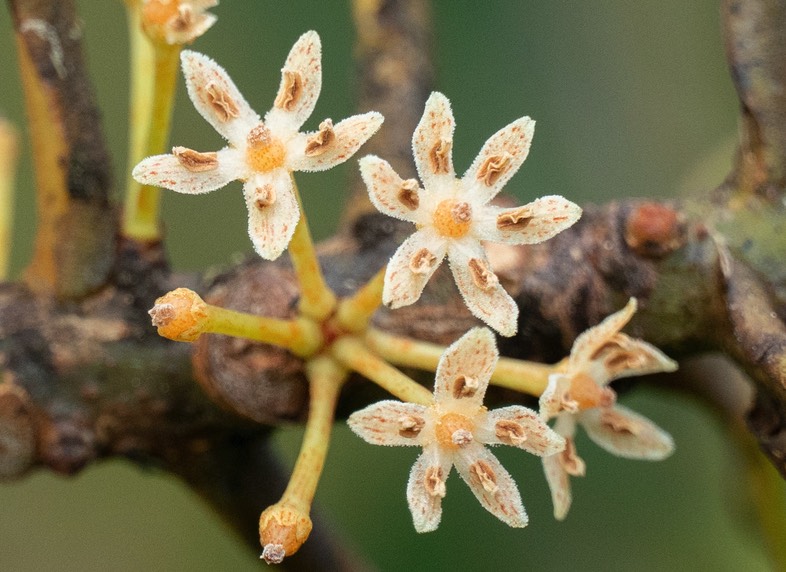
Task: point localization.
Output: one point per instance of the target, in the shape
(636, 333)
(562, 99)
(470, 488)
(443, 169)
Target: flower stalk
(152, 100)
(285, 526)
(352, 352)
(354, 313)
(183, 316)
(9, 152)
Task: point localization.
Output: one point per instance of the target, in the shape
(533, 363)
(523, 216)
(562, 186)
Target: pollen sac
(290, 91)
(408, 194)
(516, 219)
(482, 276)
(434, 482)
(618, 423)
(222, 103)
(494, 167)
(510, 432)
(484, 474)
(465, 386)
(410, 426)
(320, 142)
(439, 157)
(194, 161)
(422, 261)
(570, 461)
(265, 196)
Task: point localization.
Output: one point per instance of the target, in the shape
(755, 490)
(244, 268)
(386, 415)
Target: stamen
(222, 103)
(465, 386)
(510, 432)
(422, 261)
(482, 276)
(194, 161)
(570, 461)
(440, 157)
(291, 90)
(266, 196)
(408, 194)
(434, 482)
(410, 426)
(516, 219)
(618, 423)
(318, 143)
(482, 472)
(494, 167)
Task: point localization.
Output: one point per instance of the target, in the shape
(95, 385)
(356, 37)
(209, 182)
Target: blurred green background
(631, 99)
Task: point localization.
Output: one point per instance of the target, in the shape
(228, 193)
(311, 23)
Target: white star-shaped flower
(453, 432)
(580, 395)
(260, 153)
(453, 215)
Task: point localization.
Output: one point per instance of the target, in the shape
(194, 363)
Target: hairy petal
(432, 142)
(271, 226)
(169, 172)
(520, 427)
(529, 224)
(425, 488)
(348, 135)
(491, 484)
(588, 343)
(627, 434)
(303, 66)
(486, 298)
(499, 159)
(389, 193)
(464, 370)
(216, 97)
(389, 423)
(559, 485)
(403, 286)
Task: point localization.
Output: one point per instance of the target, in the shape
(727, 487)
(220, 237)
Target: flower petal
(499, 159)
(412, 265)
(389, 423)
(529, 224)
(301, 82)
(216, 97)
(597, 336)
(426, 487)
(491, 484)
(464, 371)
(169, 172)
(389, 193)
(520, 427)
(625, 433)
(432, 143)
(271, 217)
(559, 485)
(345, 139)
(480, 288)
(551, 399)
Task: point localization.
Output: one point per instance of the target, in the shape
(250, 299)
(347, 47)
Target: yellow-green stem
(355, 312)
(152, 99)
(523, 376)
(353, 353)
(8, 157)
(300, 336)
(317, 300)
(325, 378)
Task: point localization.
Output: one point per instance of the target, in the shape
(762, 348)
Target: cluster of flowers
(453, 218)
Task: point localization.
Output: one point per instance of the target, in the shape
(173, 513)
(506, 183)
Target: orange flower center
(454, 430)
(264, 152)
(584, 391)
(452, 218)
(159, 12)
